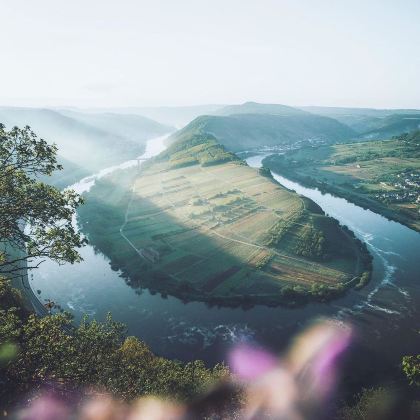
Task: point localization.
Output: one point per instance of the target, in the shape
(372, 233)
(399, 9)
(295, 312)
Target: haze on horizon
(156, 52)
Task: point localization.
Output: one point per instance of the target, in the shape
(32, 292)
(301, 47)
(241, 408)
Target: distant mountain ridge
(370, 122)
(133, 127)
(373, 112)
(244, 131)
(177, 116)
(91, 142)
(257, 108)
(393, 125)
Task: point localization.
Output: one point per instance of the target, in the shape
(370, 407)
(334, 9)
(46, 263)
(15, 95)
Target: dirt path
(121, 230)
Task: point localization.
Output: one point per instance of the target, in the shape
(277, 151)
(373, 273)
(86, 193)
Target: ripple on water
(78, 304)
(208, 336)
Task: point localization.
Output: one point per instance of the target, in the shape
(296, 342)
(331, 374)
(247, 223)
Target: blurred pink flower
(250, 362)
(299, 381)
(45, 408)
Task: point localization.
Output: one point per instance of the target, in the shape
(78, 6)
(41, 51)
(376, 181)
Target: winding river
(384, 314)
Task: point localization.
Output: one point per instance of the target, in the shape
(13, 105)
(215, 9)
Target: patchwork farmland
(220, 233)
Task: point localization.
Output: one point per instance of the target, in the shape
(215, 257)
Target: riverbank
(305, 175)
(19, 280)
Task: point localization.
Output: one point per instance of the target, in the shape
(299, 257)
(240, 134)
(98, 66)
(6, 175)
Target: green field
(222, 233)
(381, 175)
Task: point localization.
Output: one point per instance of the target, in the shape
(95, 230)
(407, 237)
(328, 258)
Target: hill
(90, 142)
(177, 116)
(70, 174)
(383, 176)
(241, 132)
(393, 125)
(133, 127)
(257, 108)
(194, 148)
(365, 120)
(200, 224)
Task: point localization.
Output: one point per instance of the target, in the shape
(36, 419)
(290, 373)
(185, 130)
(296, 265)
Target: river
(384, 314)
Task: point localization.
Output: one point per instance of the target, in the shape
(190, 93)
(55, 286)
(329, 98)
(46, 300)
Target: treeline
(411, 137)
(312, 243)
(282, 226)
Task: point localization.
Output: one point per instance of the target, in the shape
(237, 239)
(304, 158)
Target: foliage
(312, 243)
(411, 137)
(363, 280)
(371, 404)
(282, 226)
(263, 171)
(98, 354)
(35, 218)
(393, 125)
(411, 368)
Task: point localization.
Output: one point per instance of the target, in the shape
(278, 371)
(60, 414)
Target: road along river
(384, 314)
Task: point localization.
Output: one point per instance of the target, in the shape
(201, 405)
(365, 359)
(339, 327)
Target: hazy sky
(183, 52)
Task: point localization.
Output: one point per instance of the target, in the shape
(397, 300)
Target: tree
(35, 218)
(411, 368)
(36, 351)
(371, 404)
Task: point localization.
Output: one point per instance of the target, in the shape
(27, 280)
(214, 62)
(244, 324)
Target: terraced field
(221, 233)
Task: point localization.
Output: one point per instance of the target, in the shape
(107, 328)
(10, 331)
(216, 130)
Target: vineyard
(218, 233)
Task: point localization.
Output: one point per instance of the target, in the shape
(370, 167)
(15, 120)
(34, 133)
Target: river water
(385, 314)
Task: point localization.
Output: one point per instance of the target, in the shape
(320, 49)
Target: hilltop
(200, 224)
(257, 108)
(177, 116)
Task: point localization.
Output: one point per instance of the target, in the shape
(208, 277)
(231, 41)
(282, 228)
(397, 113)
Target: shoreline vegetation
(382, 176)
(198, 223)
(51, 352)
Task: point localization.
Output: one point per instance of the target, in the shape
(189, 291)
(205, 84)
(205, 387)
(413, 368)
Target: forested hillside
(240, 132)
(372, 123)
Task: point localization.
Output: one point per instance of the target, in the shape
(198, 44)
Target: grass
(205, 232)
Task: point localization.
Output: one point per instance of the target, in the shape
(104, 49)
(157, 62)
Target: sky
(103, 53)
